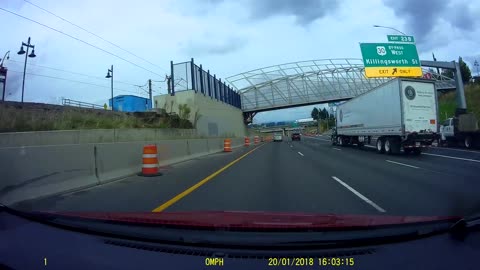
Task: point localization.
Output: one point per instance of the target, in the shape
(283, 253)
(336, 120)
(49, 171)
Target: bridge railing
(81, 104)
(187, 76)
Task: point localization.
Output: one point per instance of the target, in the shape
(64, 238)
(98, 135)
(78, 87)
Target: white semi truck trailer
(400, 114)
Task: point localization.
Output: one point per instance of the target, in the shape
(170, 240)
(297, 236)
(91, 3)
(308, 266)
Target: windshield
(195, 109)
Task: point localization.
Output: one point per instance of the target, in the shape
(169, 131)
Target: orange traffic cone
(150, 161)
(256, 140)
(247, 141)
(227, 145)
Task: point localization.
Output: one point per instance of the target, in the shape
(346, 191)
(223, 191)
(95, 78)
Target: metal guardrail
(76, 103)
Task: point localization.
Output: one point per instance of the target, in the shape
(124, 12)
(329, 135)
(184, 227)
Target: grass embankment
(447, 102)
(18, 118)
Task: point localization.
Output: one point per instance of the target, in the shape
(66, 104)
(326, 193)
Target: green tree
(184, 111)
(448, 73)
(324, 114)
(314, 114)
(465, 70)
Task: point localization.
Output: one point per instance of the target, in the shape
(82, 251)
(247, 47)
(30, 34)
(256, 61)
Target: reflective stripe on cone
(150, 161)
(227, 145)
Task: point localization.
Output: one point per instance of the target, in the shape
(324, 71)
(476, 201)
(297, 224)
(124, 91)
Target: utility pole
(169, 81)
(435, 59)
(476, 65)
(150, 91)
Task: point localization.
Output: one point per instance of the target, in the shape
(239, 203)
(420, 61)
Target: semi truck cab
(447, 129)
(462, 130)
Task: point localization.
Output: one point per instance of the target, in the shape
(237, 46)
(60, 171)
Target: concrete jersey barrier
(36, 171)
(28, 172)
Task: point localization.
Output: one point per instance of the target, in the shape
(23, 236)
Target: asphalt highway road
(308, 176)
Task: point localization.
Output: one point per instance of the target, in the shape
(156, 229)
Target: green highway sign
(398, 38)
(390, 60)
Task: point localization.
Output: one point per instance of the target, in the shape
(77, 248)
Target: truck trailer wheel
(380, 146)
(388, 148)
(340, 141)
(392, 146)
(467, 142)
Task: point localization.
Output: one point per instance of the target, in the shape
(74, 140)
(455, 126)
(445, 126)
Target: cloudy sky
(141, 37)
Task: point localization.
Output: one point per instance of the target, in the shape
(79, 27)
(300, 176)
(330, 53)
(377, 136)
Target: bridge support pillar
(248, 117)
(461, 102)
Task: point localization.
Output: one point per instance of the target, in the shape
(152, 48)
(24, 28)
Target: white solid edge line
(300, 154)
(459, 150)
(337, 149)
(459, 158)
(403, 164)
(436, 155)
(380, 209)
(319, 139)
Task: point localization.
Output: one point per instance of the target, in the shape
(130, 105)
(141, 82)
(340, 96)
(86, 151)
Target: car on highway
(296, 136)
(277, 137)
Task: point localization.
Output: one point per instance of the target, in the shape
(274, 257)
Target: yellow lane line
(197, 185)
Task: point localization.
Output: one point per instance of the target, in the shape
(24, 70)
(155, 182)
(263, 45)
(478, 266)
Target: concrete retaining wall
(61, 137)
(216, 118)
(35, 171)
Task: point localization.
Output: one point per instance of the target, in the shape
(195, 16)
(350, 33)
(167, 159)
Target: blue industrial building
(130, 103)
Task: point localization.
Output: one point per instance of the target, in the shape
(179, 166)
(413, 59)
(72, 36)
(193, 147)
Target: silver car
(277, 137)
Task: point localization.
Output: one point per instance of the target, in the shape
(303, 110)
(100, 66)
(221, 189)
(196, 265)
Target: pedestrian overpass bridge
(309, 82)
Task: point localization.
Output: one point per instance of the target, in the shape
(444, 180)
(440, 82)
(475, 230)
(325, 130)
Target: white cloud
(220, 35)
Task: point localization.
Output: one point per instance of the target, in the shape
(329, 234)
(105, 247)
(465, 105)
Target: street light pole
(110, 75)
(388, 27)
(3, 73)
(32, 55)
(6, 56)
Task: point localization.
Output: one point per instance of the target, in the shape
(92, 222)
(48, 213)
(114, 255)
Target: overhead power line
(75, 81)
(91, 33)
(78, 39)
(72, 72)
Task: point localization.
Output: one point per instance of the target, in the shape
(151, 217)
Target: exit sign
(390, 60)
(398, 38)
